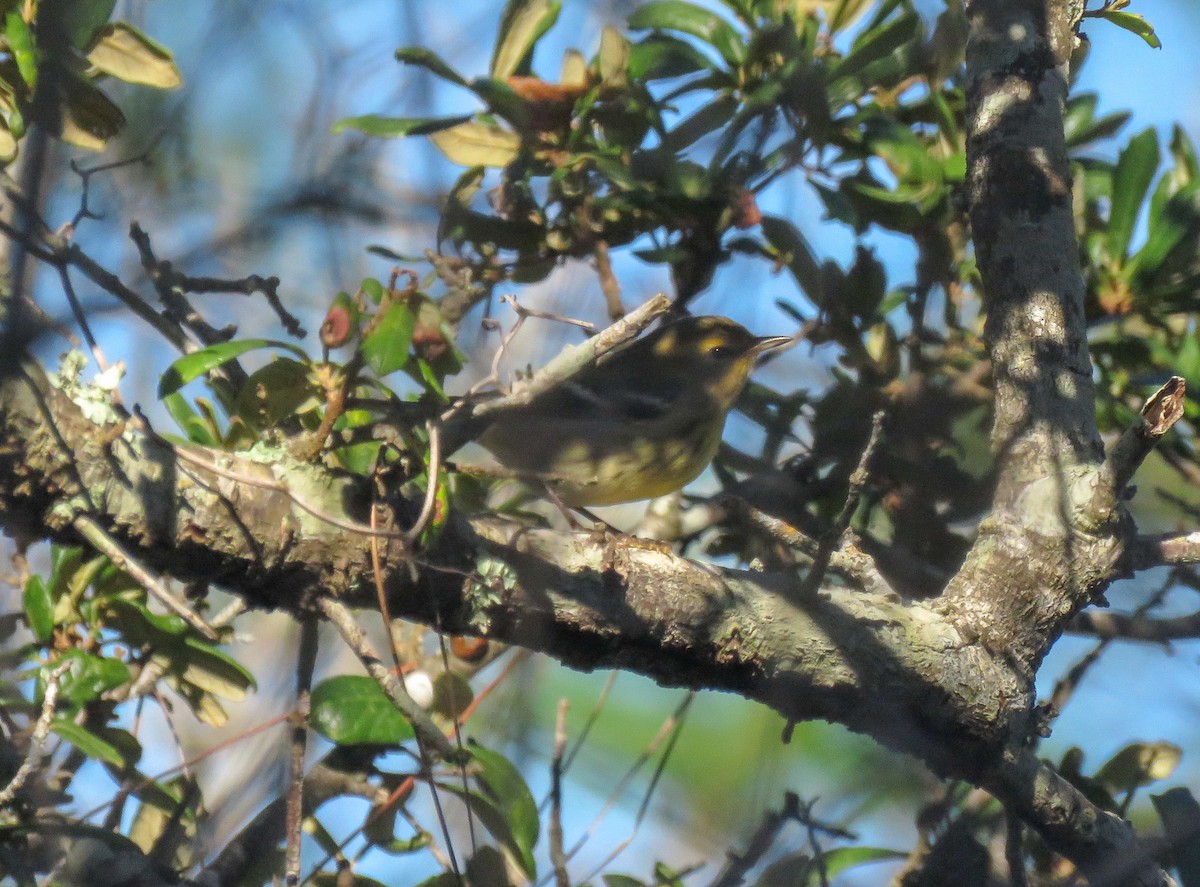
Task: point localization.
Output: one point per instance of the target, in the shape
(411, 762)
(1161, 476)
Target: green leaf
(521, 26)
(503, 101)
(1131, 180)
(840, 859)
(386, 347)
(795, 252)
(1180, 815)
(398, 127)
(1131, 22)
(203, 666)
(416, 55)
(687, 18)
(1138, 764)
(661, 56)
(189, 421)
(81, 19)
(193, 366)
(282, 388)
(89, 743)
(39, 608)
(505, 786)
(352, 710)
(613, 58)
(872, 46)
(622, 881)
(478, 144)
(21, 45)
(89, 676)
(124, 52)
(79, 113)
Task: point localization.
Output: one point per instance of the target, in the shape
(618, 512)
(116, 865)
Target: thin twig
(37, 740)
(91, 530)
(575, 357)
(609, 285)
(1014, 849)
(557, 858)
(858, 482)
(422, 752)
(306, 661)
(433, 480)
(739, 864)
(64, 275)
(677, 722)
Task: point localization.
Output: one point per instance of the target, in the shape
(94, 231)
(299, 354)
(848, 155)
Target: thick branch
(1055, 538)
(898, 672)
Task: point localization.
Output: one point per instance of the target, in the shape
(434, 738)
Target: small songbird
(641, 423)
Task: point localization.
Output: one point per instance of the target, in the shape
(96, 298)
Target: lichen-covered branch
(900, 672)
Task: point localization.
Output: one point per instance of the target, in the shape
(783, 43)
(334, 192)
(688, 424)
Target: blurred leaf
(613, 58)
(352, 710)
(39, 608)
(841, 859)
(126, 53)
(189, 421)
(622, 881)
(416, 55)
(80, 19)
(1180, 815)
(192, 366)
(507, 788)
(78, 112)
(282, 388)
(846, 13)
(478, 144)
(1132, 175)
(870, 47)
(208, 669)
(687, 18)
(89, 675)
(795, 252)
(522, 24)
(504, 101)
(21, 46)
(398, 127)
(1131, 22)
(661, 56)
(1139, 764)
(90, 744)
(386, 346)
(574, 70)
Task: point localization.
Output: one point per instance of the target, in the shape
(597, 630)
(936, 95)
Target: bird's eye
(718, 351)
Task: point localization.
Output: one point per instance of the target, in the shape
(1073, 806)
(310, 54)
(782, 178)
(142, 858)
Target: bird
(641, 423)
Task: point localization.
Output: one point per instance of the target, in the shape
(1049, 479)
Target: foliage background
(245, 176)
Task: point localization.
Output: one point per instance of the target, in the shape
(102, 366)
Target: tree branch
(901, 673)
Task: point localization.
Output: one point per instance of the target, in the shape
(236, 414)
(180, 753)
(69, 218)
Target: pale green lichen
(493, 578)
(94, 398)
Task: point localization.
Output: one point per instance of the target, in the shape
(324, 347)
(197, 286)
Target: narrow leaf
(415, 55)
(1131, 179)
(478, 144)
(398, 127)
(522, 25)
(687, 18)
(1131, 22)
(193, 366)
(127, 54)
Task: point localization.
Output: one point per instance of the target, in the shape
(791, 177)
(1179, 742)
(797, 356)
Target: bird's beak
(767, 343)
